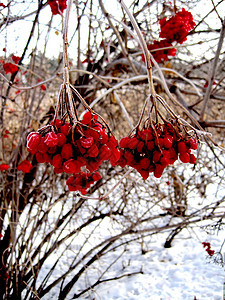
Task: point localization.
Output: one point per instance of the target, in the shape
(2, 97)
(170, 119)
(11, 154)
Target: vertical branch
(144, 47)
(212, 72)
(65, 44)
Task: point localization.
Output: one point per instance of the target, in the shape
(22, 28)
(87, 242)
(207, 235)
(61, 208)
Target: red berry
(193, 143)
(57, 161)
(184, 157)
(104, 153)
(104, 137)
(115, 156)
(123, 142)
(144, 174)
(87, 118)
(140, 146)
(192, 159)
(33, 140)
(87, 142)
(58, 123)
(112, 143)
(182, 148)
(67, 151)
(65, 129)
(128, 156)
(168, 141)
(150, 145)
(93, 151)
(132, 143)
(25, 166)
(158, 171)
(144, 163)
(96, 176)
(93, 166)
(71, 166)
(51, 139)
(42, 147)
(52, 150)
(61, 139)
(156, 156)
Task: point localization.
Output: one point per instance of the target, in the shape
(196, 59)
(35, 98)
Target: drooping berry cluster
(153, 149)
(177, 27)
(57, 6)
(69, 148)
(208, 249)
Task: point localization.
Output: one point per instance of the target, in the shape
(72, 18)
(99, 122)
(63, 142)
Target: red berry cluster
(4, 167)
(69, 148)
(208, 248)
(177, 27)
(57, 6)
(153, 149)
(25, 166)
(10, 67)
(161, 55)
(174, 29)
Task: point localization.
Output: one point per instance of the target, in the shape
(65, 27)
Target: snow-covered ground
(184, 271)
